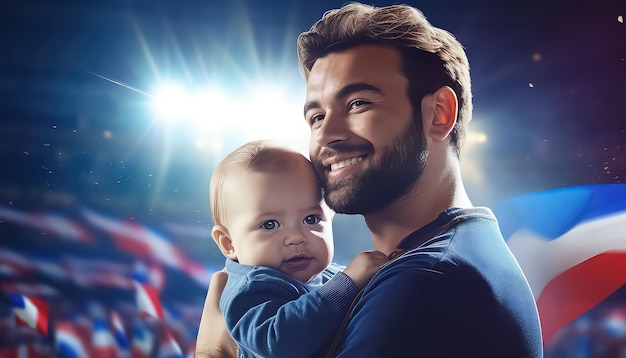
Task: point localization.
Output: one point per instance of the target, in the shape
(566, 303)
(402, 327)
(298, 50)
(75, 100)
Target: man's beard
(388, 178)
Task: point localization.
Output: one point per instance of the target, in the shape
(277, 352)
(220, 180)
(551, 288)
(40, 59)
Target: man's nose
(333, 129)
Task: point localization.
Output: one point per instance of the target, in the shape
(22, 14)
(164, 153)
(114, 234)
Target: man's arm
(213, 339)
(440, 313)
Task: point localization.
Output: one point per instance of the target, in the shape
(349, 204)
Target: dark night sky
(549, 81)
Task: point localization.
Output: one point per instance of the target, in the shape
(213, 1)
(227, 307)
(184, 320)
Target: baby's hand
(364, 266)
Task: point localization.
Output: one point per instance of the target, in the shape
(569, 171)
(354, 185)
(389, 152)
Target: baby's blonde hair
(256, 156)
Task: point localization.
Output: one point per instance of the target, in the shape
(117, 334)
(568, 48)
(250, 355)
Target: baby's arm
(275, 318)
(364, 266)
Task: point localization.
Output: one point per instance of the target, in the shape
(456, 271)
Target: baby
(271, 223)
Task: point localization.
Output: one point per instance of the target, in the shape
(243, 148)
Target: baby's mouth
(297, 262)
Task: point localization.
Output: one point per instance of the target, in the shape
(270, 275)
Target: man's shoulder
(463, 240)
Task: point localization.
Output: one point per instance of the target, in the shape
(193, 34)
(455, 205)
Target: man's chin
(336, 201)
(342, 201)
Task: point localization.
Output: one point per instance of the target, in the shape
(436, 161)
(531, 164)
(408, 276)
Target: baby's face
(279, 220)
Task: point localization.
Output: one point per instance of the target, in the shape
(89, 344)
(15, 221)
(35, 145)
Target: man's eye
(357, 103)
(316, 119)
(270, 225)
(312, 219)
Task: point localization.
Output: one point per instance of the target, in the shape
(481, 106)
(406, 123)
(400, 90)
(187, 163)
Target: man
(388, 103)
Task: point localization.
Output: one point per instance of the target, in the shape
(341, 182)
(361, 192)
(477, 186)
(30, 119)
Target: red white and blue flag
(36, 349)
(83, 272)
(49, 223)
(96, 273)
(17, 351)
(146, 243)
(571, 245)
(103, 344)
(150, 272)
(169, 347)
(143, 341)
(119, 333)
(14, 264)
(191, 350)
(148, 302)
(68, 341)
(29, 289)
(30, 312)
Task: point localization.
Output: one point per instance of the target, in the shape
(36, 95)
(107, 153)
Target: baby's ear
(222, 239)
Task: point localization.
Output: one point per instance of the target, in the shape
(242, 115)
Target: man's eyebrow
(345, 92)
(309, 105)
(357, 87)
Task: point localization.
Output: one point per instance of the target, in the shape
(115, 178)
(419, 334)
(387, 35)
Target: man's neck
(435, 192)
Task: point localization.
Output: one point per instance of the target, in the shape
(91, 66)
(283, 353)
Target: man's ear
(444, 109)
(222, 239)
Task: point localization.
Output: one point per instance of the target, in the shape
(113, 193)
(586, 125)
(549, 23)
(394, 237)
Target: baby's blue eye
(312, 219)
(270, 224)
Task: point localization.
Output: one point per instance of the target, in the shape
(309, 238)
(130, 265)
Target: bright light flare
(270, 114)
(170, 101)
(476, 137)
(210, 115)
(471, 168)
(174, 102)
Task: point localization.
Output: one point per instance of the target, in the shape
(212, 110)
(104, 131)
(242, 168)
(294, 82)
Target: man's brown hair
(431, 57)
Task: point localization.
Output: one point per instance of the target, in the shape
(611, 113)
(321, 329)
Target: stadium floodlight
(215, 116)
(170, 101)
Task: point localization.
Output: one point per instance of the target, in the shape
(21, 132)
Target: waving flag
(83, 272)
(29, 289)
(120, 335)
(169, 347)
(13, 264)
(49, 265)
(148, 301)
(103, 343)
(571, 245)
(68, 341)
(182, 321)
(30, 312)
(18, 351)
(143, 341)
(34, 349)
(191, 350)
(94, 273)
(20, 264)
(192, 232)
(151, 272)
(145, 243)
(50, 223)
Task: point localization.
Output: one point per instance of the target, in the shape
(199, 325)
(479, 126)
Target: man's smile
(345, 163)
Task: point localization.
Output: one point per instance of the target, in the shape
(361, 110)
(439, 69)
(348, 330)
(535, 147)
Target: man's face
(364, 144)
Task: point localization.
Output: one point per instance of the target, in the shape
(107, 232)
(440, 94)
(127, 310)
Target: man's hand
(213, 339)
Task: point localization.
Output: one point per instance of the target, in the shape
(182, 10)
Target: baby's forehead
(276, 159)
(284, 164)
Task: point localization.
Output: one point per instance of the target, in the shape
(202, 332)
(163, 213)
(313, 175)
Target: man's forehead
(355, 64)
